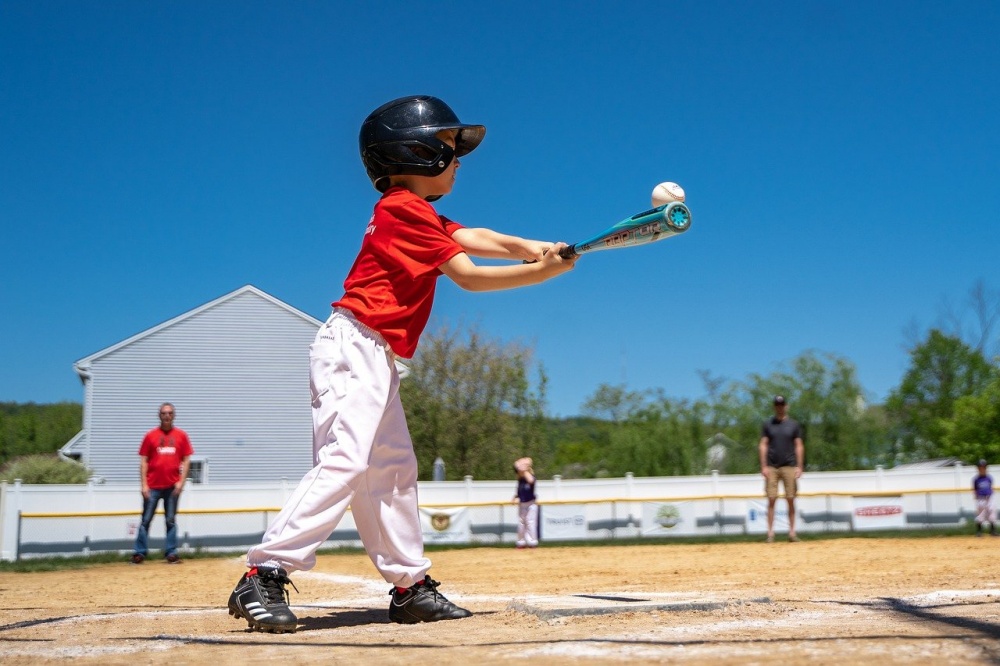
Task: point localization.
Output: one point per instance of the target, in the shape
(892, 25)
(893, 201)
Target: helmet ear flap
(416, 157)
(432, 155)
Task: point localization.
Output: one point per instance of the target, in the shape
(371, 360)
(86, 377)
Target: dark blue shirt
(525, 490)
(983, 485)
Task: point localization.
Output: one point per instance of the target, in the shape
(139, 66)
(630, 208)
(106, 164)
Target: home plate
(546, 608)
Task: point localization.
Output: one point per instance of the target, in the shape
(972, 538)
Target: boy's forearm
(498, 278)
(482, 242)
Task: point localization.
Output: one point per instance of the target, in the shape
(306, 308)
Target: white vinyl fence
(43, 520)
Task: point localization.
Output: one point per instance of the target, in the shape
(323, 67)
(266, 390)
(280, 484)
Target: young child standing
(362, 450)
(982, 488)
(527, 510)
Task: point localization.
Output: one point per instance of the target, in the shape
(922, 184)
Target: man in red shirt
(362, 450)
(164, 461)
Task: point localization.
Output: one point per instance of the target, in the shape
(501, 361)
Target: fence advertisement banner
(668, 518)
(563, 521)
(757, 516)
(878, 513)
(445, 525)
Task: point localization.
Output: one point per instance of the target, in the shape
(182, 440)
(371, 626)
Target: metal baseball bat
(646, 227)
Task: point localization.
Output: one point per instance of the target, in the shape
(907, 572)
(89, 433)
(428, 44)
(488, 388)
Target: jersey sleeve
(147, 446)
(420, 239)
(451, 226)
(185, 450)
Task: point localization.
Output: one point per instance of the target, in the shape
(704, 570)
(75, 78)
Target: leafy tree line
(29, 428)
(479, 404)
(469, 401)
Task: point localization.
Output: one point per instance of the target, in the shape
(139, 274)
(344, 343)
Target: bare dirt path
(926, 600)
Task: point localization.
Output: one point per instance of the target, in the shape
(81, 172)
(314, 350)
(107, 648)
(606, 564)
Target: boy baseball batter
(363, 456)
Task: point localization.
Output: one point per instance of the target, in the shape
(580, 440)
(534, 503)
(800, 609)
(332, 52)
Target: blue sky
(840, 160)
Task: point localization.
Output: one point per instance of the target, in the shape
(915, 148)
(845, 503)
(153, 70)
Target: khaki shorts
(787, 477)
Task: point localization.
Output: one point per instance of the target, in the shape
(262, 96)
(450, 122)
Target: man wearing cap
(982, 487)
(782, 455)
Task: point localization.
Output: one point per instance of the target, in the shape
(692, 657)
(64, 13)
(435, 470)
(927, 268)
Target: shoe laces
(432, 586)
(428, 584)
(273, 584)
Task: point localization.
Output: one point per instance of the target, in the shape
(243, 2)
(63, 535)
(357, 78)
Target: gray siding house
(236, 370)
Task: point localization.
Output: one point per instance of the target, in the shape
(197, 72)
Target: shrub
(40, 468)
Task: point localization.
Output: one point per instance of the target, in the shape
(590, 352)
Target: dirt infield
(850, 600)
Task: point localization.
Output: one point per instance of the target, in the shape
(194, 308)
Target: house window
(198, 472)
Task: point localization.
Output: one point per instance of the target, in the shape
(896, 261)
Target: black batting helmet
(391, 132)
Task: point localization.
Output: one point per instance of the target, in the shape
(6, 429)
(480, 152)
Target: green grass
(40, 564)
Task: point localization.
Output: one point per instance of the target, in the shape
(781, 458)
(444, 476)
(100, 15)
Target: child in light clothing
(527, 510)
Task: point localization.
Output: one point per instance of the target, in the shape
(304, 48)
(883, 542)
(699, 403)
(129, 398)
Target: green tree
(469, 401)
(29, 428)
(580, 445)
(942, 370)
(652, 435)
(664, 438)
(825, 396)
(973, 431)
(614, 402)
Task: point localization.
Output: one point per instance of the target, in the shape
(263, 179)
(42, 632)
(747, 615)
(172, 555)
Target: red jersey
(390, 288)
(165, 450)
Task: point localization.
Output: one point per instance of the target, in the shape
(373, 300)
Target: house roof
(83, 365)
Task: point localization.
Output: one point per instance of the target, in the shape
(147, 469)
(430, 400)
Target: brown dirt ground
(849, 600)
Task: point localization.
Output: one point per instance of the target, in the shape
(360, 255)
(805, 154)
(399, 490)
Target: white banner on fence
(876, 513)
(564, 521)
(668, 518)
(445, 525)
(757, 516)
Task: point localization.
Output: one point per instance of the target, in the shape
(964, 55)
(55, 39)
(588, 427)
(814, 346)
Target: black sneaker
(423, 603)
(261, 598)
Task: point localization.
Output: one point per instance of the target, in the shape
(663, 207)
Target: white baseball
(665, 193)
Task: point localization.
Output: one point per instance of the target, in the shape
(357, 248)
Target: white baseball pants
(984, 510)
(363, 458)
(527, 524)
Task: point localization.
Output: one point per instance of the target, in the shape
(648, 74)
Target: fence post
(718, 500)
(20, 507)
(5, 517)
(829, 514)
(89, 534)
(614, 518)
